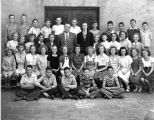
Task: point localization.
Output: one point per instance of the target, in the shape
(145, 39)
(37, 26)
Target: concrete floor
(133, 107)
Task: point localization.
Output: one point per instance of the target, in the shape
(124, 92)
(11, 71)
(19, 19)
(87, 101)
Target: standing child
(111, 86)
(88, 88)
(64, 60)
(94, 29)
(131, 31)
(75, 28)
(90, 61)
(96, 43)
(10, 28)
(146, 35)
(8, 67)
(59, 27)
(12, 44)
(109, 30)
(136, 68)
(46, 30)
(105, 42)
(136, 44)
(121, 27)
(31, 42)
(34, 29)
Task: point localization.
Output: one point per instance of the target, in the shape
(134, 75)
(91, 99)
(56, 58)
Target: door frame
(72, 7)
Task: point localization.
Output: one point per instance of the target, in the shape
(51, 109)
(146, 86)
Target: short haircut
(123, 32)
(94, 22)
(23, 15)
(40, 35)
(19, 45)
(110, 22)
(51, 34)
(11, 15)
(147, 50)
(116, 50)
(133, 20)
(66, 68)
(74, 19)
(48, 68)
(77, 45)
(144, 23)
(109, 67)
(84, 69)
(123, 48)
(122, 23)
(34, 20)
(47, 19)
(30, 35)
(29, 66)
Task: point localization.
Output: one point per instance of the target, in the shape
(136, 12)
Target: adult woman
(31, 59)
(125, 64)
(148, 70)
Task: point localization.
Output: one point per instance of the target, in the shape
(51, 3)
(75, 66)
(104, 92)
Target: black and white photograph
(77, 59)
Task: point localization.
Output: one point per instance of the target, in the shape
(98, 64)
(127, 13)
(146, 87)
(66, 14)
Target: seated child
(49, 82)
(111, 86)
(31, 42)
(88, 88)
(8, 67)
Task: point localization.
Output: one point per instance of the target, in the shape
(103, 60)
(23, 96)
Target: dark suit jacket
(48, 44)
(85, 43)
(72, 41)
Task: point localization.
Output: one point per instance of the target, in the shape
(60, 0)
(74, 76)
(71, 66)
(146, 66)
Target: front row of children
(70, 87)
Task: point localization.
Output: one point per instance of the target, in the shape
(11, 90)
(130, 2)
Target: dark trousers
(53, 91)
(67, 93)
(98, 82)
(29, 94)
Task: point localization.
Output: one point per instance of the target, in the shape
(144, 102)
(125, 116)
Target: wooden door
(83, 14)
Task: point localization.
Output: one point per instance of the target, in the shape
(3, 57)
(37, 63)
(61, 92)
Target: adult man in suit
(67, 38)
(85, 38)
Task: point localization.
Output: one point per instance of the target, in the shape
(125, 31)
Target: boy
(58, 28)
(46, 30)
(121, 27)
(111, 86)
(110, 29)
(74, 28)
(131, 31)
(34, 29)
(88, 88)
(29, 86)
(49, 82)
(68, 87)
(146, 35)
(23, 28)
(10, 28)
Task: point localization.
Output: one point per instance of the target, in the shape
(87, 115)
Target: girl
(39, 43)
(12, 44)
(77, 61)
(124, 42)
(90, 60)
(34, 29)
(64, 60)
(96, 43)
(46, 30)
(22, 39)
(115, 40)
(125, 62)
(105, 42)
(31, 42)
(8, 67)
(20, 60)
(136, 44)
(136, 67)
(114, 60)
(94, 30)
(42, 60)
(148, 70)
(51, 43)
(53, 62)
(31, 59)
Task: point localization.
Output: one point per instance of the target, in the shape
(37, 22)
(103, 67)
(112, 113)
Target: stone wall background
(115, 10)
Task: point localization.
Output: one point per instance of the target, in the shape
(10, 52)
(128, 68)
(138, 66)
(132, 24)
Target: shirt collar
(133, 28)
